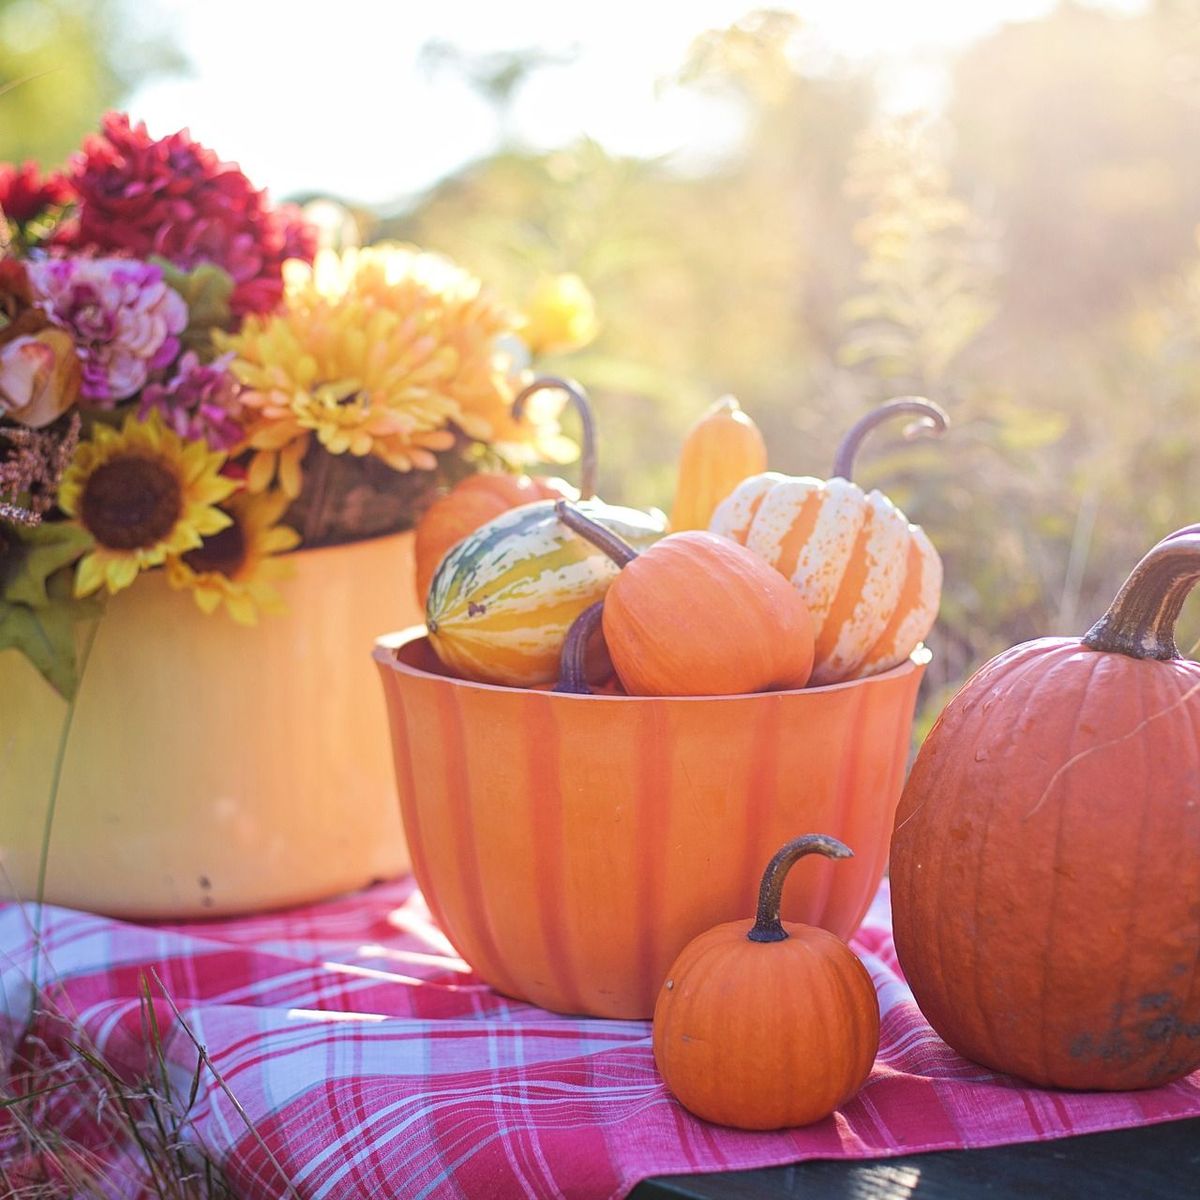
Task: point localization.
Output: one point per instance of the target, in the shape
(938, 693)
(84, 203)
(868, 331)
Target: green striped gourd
(503, 599)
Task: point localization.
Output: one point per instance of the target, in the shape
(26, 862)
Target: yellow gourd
(720, 450)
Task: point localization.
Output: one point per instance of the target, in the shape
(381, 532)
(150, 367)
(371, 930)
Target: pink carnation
(124, 319)
(200, 402)
(173, 197)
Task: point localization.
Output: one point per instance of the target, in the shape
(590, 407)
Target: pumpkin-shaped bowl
(570, 846)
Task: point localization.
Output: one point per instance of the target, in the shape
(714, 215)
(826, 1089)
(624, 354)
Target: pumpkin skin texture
(698, 615)
(871, 579)
(720, 450)
(1045, 859)
(502, 600)
(765, 1024)
(477, 499)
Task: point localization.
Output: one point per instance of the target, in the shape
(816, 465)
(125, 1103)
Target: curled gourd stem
(767, 925)
(619, 550)
(933, 421)
(1140, 621)
(587, 451)
(572, 673)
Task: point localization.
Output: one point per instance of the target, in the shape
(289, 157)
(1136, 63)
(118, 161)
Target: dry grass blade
(16, 83)
(26, 1097)
(114, 1136)
(202, 1052)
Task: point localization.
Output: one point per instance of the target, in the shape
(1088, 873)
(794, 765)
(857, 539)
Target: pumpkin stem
(587, 450)
(1140, 621)
(767, 925)
(572, 674)
(617, 548)
(933, 421)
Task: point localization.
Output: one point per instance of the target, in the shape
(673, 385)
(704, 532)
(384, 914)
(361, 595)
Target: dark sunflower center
(130, 502)
(224, 551)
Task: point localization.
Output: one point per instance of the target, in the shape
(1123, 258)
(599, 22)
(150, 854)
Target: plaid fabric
(366, 1060)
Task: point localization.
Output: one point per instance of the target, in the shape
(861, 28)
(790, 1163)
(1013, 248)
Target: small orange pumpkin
(1046, 854)
(475, 500)
(872, 580)
(720, 450)
(764, 1024)
(698, 615)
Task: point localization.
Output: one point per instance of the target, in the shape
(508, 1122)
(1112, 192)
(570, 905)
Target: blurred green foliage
(1028, 259)
(63, 63)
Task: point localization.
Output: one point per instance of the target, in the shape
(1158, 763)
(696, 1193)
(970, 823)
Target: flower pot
(570, 846)
(213, 768)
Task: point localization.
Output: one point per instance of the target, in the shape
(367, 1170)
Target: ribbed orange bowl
(570, 846)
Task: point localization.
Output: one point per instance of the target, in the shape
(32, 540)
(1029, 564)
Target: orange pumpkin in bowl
(696, 615)
(570, 846)
(474, 501)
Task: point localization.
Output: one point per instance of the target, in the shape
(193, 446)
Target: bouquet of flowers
(189, 383)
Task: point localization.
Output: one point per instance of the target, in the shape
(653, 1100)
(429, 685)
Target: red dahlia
(173, 197)
(23, 195)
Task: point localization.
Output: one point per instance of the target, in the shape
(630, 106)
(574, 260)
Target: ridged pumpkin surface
(872, 581)
(502, 600)
(1045, 868)
(720, 450)
(571, 846)
(698, 615)
(766, 1036)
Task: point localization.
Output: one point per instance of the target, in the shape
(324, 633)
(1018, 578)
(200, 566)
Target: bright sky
(329, 94)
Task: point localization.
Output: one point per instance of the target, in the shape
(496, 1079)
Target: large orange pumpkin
(764, 1024)
(1046, 855)
(720, 450)
(698, 615)
(872, 581)
(475, 500)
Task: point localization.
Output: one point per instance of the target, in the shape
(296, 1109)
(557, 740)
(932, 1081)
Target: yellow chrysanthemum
(560, 315)
(377, 351)
(237, 567)
(143, 493)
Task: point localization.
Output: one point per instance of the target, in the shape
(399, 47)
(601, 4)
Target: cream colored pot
(213, 768)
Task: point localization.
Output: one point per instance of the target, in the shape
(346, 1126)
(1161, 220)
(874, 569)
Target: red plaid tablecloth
(371, 1062)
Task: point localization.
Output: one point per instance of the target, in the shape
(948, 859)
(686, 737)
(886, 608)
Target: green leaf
(46, 636)
(206, 290)
(38, 607)
(33, 554)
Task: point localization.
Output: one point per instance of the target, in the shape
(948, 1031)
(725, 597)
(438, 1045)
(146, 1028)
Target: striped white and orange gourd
(871, 579)
(502, 601)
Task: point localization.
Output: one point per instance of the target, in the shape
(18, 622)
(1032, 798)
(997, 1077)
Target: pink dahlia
(25, 195)
(174, 197)
(124, 319)
(200, 402)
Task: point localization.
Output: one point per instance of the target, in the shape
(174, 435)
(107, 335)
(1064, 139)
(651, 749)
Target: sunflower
(143, 493)
(382, 351)
(236, 567)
